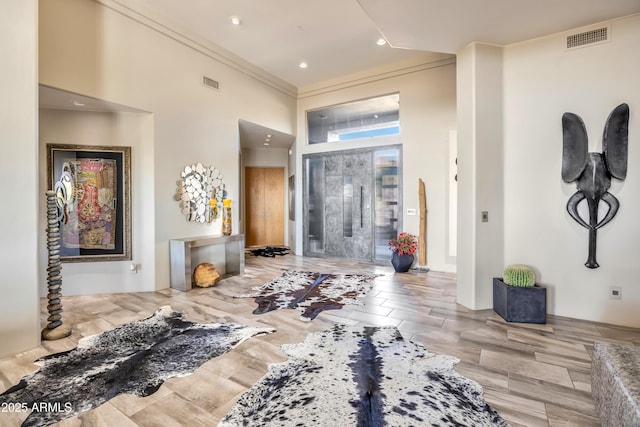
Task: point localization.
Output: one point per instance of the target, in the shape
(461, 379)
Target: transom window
(366, 118)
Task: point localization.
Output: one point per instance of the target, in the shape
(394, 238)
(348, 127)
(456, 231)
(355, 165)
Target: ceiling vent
(209, 82)
(599, 35)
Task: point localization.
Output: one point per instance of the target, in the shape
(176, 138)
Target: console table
(180, 257)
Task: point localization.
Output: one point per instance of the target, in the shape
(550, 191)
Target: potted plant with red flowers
(403, 247)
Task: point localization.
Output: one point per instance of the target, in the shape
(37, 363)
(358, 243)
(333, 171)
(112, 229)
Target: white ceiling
(338, 37)
(448, 26)
(255, 136)
(49, 97)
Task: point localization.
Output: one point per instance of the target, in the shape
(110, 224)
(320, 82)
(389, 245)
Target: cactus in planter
(519, 275)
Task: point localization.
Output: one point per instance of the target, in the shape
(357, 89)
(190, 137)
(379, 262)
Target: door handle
(260, 214)
(361, 207)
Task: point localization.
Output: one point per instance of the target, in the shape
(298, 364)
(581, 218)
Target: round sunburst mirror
(200, 192)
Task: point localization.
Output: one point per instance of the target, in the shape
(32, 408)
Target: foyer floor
(533, 375)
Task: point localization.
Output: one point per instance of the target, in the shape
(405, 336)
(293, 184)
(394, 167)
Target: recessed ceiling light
(381, 42)
(303, 65)
(78, 104)
(266, 143)
(235, 20)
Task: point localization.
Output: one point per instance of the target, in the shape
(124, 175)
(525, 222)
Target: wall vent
(209, 82)
(598, 35)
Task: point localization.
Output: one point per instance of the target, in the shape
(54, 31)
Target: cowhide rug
(355, 376)
(135, 358)
(310, 292)
(270, 251)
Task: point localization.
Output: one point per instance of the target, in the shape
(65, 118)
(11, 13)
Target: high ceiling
(338, 37)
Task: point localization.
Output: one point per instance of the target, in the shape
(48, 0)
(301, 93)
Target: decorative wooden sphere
(205, 275)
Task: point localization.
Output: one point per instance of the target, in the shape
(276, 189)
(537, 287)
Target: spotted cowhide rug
(310, 292)
(362, 376)
(135, 358)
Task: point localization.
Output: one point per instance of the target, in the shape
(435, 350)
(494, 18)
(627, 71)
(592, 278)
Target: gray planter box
(520, 304)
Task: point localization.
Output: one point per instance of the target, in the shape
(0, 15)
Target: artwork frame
(93, 190)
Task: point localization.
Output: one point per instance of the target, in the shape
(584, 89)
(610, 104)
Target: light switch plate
(615, 292)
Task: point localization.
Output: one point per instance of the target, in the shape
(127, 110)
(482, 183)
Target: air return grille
(209, 82)
(588, 37)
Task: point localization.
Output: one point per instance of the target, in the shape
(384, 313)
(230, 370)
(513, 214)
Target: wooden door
(264, 188)
(254, 189)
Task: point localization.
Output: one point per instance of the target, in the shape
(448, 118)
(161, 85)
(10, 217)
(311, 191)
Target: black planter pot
(520, 304)
(401, 263)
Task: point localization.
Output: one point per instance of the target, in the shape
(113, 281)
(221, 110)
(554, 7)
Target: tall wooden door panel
(274, 206)
(264, 206)
(254, 189)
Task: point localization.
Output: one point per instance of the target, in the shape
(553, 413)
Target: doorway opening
(264, 168)
(265, 217)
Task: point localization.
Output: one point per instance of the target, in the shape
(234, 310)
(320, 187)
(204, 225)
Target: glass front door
(351, 203)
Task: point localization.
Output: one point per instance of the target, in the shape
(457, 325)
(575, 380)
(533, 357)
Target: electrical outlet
(615, 292)
(485, 216)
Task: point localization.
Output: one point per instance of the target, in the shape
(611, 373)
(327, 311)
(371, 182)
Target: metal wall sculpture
(200, 193)
(592, 172)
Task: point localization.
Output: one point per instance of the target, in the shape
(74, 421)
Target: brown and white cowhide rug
(362, 376)
(135, 358)
(310, 292)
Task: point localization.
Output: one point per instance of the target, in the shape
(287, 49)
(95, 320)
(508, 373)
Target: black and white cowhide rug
(310, 292)
(362, 376)
(270, 251)
(135, 358)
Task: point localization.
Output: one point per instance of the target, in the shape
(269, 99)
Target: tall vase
(226, 217)
(401, 263)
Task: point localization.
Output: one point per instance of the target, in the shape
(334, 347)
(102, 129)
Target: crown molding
(377, 74)
(143, 16)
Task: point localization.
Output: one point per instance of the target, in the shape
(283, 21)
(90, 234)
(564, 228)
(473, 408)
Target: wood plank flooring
(533, 375)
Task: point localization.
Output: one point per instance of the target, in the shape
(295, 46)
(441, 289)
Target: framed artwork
(92, 186)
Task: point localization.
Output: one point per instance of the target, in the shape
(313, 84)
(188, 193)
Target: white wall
(542, 80)
(427, 114)
(107, 129)
(99, 50)
(480, 153)
(266, 157)
(19, 305)
(124, 58)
